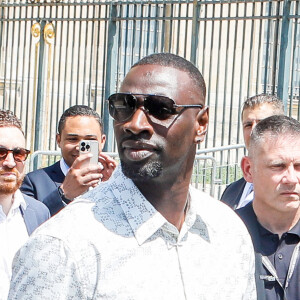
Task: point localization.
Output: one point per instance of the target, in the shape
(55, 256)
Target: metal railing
(207, 173)
(54, 54)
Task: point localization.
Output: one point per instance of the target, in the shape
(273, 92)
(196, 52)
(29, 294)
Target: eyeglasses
(122, 106)
(19, 154)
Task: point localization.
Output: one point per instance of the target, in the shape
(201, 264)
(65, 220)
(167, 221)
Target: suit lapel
(29, 218)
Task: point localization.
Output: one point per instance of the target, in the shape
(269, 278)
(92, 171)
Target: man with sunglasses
(20, 215)
(145, 233)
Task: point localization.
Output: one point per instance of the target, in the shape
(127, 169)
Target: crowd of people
(139, 230)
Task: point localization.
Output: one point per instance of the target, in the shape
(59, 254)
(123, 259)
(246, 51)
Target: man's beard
(143, 172)
(9, 186)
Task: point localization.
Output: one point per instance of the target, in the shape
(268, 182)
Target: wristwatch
(62, 196)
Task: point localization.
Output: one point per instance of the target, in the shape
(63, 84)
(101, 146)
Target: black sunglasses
(19, 154)
(122, 106)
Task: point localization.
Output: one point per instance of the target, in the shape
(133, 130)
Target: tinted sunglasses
(19, 154)
(122, 106)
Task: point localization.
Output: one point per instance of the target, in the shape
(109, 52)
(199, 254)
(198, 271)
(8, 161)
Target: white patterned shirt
(113, 244)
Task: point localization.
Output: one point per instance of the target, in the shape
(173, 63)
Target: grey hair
(260, 99)
(276, 125)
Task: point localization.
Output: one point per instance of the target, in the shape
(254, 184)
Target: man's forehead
(259, 111)
(152, 74)
(162, 80)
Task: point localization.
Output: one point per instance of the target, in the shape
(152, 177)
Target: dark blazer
(233, 193)
(42, 185)
(35, 213)
(248, 216)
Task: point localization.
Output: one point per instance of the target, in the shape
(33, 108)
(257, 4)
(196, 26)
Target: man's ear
(201, 125)
(58, 139)
(247, 167)
(103, 140)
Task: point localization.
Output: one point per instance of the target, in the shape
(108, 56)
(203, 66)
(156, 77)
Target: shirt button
(280, 256)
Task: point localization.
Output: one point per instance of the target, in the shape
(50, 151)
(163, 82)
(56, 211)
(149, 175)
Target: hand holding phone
(89, 146)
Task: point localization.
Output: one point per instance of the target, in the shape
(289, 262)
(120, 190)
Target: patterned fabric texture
(112, 244)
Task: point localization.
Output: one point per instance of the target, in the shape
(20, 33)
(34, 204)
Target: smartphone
(89, 146)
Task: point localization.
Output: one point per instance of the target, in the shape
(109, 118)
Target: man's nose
(9, 161)
(291, 176)
(138, 123)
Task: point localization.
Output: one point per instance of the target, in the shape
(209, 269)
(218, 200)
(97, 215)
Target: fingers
(81, 160)
(107, 160)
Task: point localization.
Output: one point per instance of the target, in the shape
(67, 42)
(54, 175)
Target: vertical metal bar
(251, 51)
(72, 71)
(85, 53)
(104, 57)
(275, 46)
(110, 75)
(6, 59)
(17, 32)
(148, 36)
(285, 54)
(30, 146)
(267, 48)
(90, 75)
(195, 31)
(40, 92)
(293, 68)
(12, 65)
(260, 50)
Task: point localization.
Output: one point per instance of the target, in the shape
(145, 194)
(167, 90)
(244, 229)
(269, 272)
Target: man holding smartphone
(57, 185)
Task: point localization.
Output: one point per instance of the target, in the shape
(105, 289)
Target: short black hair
(8, 119)
(276, 125)
(78, 110)
(177, 62)
(260, 99)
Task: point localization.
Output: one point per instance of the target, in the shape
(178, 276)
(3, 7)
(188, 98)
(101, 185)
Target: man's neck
(170, 201)
(6, 201)
(275, 221)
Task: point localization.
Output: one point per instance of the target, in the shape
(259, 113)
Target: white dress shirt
(13, 234)
(113, 244)
(247, 196)
(64, 167)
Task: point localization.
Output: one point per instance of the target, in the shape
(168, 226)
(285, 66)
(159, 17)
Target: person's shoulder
(236, 184)
(43, 171)
(79, 217)
(218, 215)
(34, 204)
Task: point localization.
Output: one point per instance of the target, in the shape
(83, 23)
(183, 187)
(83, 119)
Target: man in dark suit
(255, 108)
(20, 215)
(273, 218)
(57, 185)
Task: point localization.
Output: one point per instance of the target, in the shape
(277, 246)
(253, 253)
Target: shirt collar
(64, 167)
(17, 203)
(143, 218)
(265, 232)
(296, 229)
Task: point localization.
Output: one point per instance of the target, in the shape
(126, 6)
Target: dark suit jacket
(248, 216)
(233, 193)
(35, 213)
(42, 185)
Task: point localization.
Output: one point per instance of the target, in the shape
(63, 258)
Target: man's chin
(136, 172)
(10, 187)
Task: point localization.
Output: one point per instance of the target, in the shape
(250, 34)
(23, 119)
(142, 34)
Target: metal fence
(208, 174)
(54, 54)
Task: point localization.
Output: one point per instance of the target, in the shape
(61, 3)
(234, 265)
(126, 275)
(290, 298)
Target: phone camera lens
(88, 147)
(82, 144)
(82, 148)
